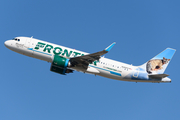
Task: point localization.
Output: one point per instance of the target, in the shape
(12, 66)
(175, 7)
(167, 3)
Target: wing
(84, 61)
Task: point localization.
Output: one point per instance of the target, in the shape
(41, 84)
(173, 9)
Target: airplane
(65, 60)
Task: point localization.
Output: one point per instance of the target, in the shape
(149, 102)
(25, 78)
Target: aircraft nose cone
(7, 43)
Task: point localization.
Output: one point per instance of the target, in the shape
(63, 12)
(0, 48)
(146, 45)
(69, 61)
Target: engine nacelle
(60, 64)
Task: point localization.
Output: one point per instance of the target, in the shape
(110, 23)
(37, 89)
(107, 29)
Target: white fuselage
(45, 51)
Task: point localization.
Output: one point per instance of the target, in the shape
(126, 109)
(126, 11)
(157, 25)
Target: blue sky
(141, 30)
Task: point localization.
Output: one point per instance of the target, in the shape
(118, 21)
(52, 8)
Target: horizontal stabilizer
(158, 76)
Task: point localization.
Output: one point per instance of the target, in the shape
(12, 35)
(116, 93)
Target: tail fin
(159, 63)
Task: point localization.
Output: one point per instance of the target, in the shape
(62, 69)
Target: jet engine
(60, 64)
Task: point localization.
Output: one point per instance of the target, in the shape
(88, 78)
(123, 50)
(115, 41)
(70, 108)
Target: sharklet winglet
(109, 47)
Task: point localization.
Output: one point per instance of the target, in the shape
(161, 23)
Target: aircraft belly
(30, 53)
(42, 56)
(22, 50)
(108, 74)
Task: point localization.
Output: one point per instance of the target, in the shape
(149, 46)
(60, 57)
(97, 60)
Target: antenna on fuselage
(31, 36)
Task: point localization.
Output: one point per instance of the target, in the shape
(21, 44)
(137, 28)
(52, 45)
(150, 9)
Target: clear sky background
(141, 30)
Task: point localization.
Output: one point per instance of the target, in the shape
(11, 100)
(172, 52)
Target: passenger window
(18, 39)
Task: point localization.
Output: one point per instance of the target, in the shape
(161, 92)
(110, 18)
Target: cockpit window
(16, 39)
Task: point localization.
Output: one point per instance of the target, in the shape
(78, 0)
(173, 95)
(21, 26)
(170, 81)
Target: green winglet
(109, 47)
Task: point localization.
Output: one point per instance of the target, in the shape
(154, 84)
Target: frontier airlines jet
(65, 60)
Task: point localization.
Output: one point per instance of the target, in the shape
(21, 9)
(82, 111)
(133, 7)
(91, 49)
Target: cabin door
(28, 41)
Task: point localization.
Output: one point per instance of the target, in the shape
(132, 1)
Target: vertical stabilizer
(159, 63)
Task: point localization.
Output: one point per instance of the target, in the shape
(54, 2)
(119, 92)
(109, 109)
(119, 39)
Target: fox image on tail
(156, 64)
(159, 63)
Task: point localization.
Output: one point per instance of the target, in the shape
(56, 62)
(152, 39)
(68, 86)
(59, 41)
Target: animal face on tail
(156, 64)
